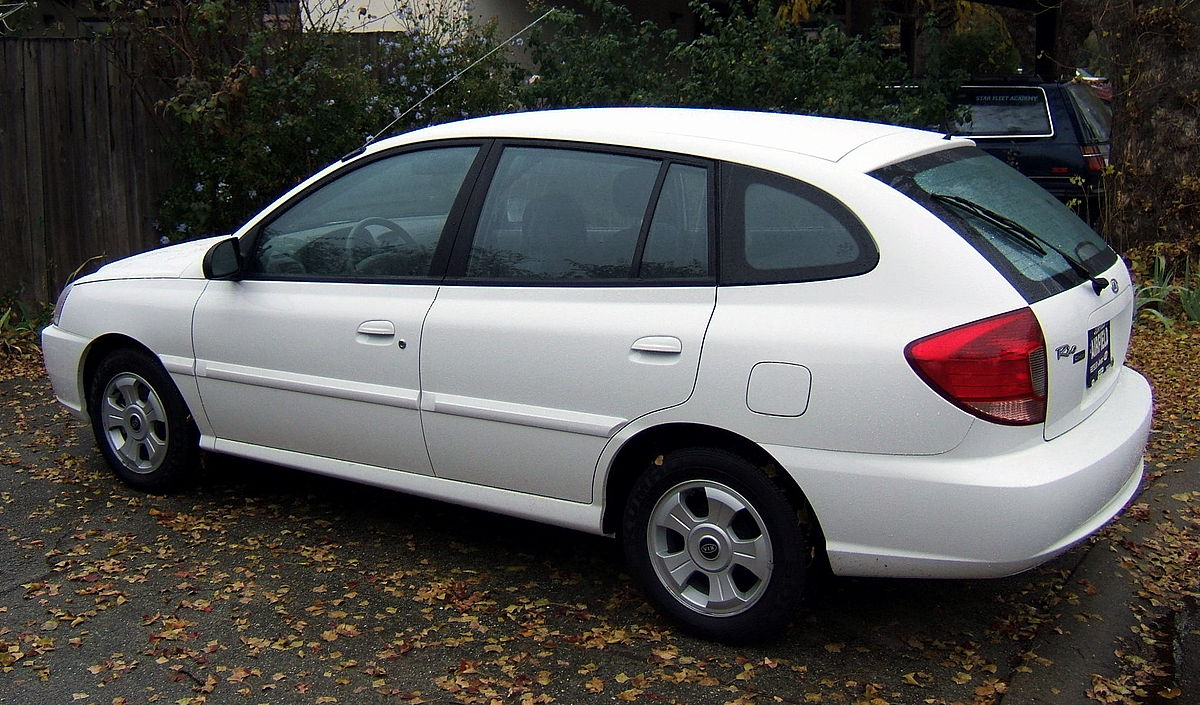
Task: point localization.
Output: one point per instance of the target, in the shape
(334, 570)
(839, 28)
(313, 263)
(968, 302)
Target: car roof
(721, 134)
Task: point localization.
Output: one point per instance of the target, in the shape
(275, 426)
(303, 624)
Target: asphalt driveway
(264, 585)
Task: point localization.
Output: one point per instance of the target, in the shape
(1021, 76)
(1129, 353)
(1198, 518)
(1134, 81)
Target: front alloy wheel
(716, 544)
(141, 423)
(135, 423)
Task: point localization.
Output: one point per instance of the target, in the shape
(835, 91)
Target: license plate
(1099, 358)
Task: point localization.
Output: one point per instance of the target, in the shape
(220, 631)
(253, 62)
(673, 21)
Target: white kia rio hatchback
(740, 342)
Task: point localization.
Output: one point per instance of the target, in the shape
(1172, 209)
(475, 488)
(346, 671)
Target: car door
(580, 301)
(315, 351)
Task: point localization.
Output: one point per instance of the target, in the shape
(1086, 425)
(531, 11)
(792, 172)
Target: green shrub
(611, 61)
(19, 326)
(747, 57)
(1189, 292)
(259, 105)
(751, 58)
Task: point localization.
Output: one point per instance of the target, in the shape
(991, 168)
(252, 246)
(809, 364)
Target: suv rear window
(1005, 111)
(955, 182)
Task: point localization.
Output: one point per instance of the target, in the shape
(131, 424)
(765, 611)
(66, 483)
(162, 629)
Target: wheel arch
(99, 349)
(105, 345)
(640, 450)
(156, 446)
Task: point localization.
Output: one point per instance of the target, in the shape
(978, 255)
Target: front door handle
(377, 328)
(663, 344)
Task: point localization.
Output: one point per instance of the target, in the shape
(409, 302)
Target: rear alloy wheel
(141, 423)
(716, 544)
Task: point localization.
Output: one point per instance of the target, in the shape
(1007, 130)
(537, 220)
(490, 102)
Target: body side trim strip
(523, 414)
(309, 384)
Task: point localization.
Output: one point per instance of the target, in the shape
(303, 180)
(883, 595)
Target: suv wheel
(716, 544)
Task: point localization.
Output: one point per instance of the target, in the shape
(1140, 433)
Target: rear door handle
(663, 344)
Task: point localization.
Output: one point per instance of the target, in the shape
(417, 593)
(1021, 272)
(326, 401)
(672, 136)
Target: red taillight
(1094, 157)
(994, 368)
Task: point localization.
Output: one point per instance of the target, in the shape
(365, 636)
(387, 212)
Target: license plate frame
(1099, 352)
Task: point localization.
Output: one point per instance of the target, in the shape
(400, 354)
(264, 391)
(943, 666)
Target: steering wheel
(360, 234)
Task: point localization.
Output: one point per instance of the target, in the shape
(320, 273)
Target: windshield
(969, 176)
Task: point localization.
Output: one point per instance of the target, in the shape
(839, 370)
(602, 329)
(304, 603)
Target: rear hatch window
(1005, 111)
(1048, 255)
(968, 175)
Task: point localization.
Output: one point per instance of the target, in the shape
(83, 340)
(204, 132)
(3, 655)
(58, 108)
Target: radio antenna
(452, 79)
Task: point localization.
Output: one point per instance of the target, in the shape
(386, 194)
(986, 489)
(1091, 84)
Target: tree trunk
(1153, 48)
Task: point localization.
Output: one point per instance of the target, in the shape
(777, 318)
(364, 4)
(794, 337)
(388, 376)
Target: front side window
(380, 220)
(1017, 225)
(777, 229)
(566, 215)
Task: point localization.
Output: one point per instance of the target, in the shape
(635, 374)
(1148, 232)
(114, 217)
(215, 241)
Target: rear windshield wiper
(1021, 235)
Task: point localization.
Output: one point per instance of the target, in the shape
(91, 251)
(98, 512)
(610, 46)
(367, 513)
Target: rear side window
(777, 229)
(1095, 116)
(677, 242)
(977, 195)
(575, 216)
(1005, 111)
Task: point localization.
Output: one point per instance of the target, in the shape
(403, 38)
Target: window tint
(969, 176)
(677, 243)
(382, 219)
(559, 214)
(1005, 111)
(779, 230)
(1095, 116)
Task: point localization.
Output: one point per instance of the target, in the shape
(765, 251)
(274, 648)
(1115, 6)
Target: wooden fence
(82, 163)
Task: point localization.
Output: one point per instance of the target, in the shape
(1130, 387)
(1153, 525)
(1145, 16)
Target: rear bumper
(976, 511)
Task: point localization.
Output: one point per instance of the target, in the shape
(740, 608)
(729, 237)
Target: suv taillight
(994, 368)
(1095, 157)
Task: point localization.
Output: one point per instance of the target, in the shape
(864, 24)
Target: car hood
(183, 260)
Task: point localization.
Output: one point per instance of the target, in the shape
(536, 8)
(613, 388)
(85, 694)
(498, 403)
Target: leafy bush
(1154, 294)
(260, 105)
(753, 59)
(748, 57)
(1189, 293)
(609, 64)
(1161, 294)
(19, 326)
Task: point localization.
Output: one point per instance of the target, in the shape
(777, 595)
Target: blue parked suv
(1055, 133)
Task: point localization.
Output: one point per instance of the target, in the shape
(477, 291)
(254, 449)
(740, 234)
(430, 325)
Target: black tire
(141, 423)
(716, 499)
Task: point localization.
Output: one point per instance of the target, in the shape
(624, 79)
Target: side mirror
(223, 260)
